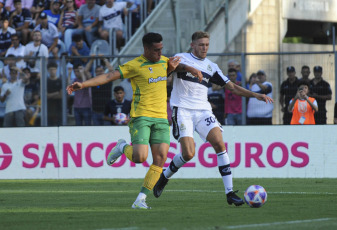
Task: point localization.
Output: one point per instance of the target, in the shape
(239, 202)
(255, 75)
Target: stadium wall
(80, 152)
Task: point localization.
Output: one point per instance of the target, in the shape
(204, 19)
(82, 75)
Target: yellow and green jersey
(148, 81)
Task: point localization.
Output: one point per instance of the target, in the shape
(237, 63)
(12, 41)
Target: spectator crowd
(31, 29)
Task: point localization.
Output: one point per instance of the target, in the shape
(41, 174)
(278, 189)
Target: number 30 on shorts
(210, 120)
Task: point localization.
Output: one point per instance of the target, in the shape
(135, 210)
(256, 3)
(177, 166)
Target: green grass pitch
(185, 204)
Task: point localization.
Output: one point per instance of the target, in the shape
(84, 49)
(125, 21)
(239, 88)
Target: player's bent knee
(188, 155)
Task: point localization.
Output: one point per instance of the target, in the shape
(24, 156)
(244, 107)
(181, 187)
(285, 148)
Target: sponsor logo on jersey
(155, 80)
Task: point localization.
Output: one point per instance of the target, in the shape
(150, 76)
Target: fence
(274, 65)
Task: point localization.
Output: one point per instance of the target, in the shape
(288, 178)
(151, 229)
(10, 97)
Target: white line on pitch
(216, 191)
(278, 223)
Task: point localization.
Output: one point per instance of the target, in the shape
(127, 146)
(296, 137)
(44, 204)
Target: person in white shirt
(192, 112)
(12, 92)
(257, 112)
(18, 50)
(110, 16)
(35, 49)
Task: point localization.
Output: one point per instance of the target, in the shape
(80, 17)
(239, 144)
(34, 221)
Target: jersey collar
(195, 57)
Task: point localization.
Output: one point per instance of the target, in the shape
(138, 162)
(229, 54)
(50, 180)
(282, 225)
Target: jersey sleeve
(218, 77)
(126, 70)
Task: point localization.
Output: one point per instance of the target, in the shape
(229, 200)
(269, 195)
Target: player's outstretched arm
(238, 90)
(186, 68)
(99, 80)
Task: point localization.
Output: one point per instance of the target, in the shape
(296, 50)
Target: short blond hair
(199, 34)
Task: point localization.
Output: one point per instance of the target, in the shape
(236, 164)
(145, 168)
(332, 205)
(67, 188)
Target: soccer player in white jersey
(192, 112)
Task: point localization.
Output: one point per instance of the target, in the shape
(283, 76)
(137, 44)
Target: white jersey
(256, 108)
(187, 91)
(112, 17)
(14, 101)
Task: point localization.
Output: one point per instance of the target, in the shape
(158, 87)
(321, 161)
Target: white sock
(141, 196)
(177, 162)
(225, 171)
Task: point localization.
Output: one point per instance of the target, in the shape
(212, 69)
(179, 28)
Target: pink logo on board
(5, 156)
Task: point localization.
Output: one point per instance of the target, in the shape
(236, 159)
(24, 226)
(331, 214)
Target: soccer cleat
(232, 198)
(140, 204)
(115, 152)
(160, 185)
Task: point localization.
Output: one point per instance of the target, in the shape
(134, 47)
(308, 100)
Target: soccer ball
(120, 118)
(255, 196)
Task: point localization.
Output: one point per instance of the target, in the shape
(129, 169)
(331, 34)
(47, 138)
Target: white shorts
(186, 121)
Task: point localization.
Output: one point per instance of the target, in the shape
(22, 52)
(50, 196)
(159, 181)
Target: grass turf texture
(185, 204)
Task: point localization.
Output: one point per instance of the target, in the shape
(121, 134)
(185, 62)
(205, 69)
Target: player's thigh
(182, 122)
(214, 137)
(160, 131)
(206, 122)
(140, 130)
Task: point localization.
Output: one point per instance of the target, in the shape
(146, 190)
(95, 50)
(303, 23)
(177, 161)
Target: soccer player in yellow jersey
(148, 123)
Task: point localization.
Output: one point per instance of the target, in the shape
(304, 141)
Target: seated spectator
(6, 33)
(135, 13)
(88, 21)
(26, 4)
(49, 34)
(12, 92)
(31, 97)
(37, 8)
(20, 19)
(258, 112)
(233, 102)
(302, 107)
(118, 105)
(35, 49)
(18, 50)
(101, 95)
(3, 12)
(79, 49)
(110, 17)
(9, 62)
(79, 3)
(54, 96)
(68, 22)
(54, 13)
(82, 99)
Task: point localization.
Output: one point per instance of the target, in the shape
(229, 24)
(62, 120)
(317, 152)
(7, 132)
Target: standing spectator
(287, 92)
(251, 81)
(110, 16)
(232, 64)
(6, 33)
(54, 13)
(302, 107)
(50, 35)
(118, 105)
(17, 50)
(88, 21)
(54, 96)
(100, 94)
(233, 102)
(3, 80)
(20, 19)
(82, 99)
(258, 112)
(135, 13)
(215, 97)
(79, 49)
(68, 22)
(12, 92)
(9, 63)
(31, 97)
(305, 72)
(321, 91)
(36, 49)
